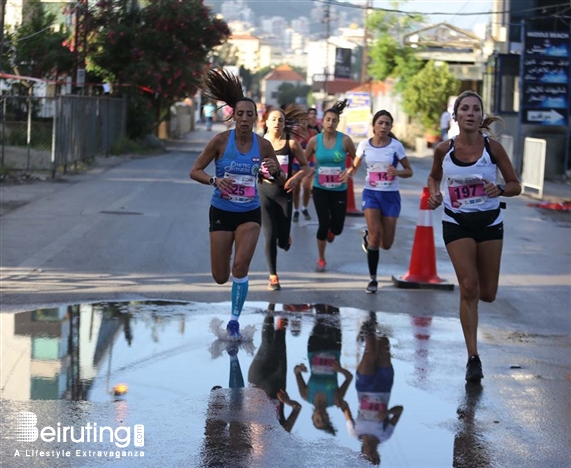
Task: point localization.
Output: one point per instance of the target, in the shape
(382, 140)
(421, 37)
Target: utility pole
(80, 41)
(365, 56)
(327, 21)
(327, 34)
(2, 20)
(2, 101)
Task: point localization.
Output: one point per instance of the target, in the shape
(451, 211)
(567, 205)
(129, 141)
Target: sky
(453, 8)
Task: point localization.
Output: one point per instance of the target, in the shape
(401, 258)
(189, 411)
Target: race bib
(328, 177)
(379, 176)
(372, 408)
(284, 163)
(243, 190)
(466, 190)
(283, 160)
(322, 364)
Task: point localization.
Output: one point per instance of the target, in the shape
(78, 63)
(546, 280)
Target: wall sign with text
(545, 78)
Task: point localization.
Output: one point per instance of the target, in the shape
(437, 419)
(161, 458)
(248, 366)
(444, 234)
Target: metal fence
(49, 134)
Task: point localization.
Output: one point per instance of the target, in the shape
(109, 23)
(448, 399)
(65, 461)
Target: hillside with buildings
(258, 12)
(289, 10)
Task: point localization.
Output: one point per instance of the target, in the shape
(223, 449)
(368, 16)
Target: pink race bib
(466, 191)
(328, 177)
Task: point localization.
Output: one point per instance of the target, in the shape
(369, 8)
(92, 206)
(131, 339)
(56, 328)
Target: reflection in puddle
(336, 380)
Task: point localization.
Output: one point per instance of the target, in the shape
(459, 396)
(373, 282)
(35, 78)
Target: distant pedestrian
(312, 123)
(209, 111)
(445, 119)
(472, 222)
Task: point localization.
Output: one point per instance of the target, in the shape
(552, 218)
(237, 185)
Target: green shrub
(16, 137)
(41, 136)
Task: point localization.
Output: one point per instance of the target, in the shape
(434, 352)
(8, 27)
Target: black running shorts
(221, 220)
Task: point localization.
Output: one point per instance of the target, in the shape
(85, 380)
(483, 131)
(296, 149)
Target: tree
(37, 49)
(288, 92)
(389, 57)
(427, 94)
(156, 54)
(226, 54)
(255, 79)
(424, 87)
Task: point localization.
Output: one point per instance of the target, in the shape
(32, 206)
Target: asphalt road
(138, 231)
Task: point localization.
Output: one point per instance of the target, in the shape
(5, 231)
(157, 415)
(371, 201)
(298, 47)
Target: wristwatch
(212, 181)
(502, 189)
(278, 173)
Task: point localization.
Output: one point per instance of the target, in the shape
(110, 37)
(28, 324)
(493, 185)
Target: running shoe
(274, 284)
(295, 218)
(365, 243)
(330, 237)
(282, 323)
(372, 287)
(233, 329)
(305, 214)
(320, 268)
(474, 369)
(368, 327)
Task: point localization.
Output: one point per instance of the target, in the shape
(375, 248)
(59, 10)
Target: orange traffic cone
(422, 270)
(421, 330)
(351, 208)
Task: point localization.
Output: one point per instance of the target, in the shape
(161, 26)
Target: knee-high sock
(236, 378)
(373, 261)
(239, 293)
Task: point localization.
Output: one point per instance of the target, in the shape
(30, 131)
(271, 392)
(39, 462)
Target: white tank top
(378, 160)
(463, 184)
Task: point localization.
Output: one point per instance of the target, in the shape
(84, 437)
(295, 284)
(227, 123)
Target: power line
(542, 9)
(33, 34)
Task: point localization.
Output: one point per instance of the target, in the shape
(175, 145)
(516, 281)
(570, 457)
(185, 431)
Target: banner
(358, 114)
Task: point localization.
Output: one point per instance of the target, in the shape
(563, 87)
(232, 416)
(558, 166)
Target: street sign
(545, 75)
(550, 117)
(80, 78)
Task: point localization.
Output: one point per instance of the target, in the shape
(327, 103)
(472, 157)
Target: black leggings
(276, 206)
(269, 367)
(331, 207)
(326, 332)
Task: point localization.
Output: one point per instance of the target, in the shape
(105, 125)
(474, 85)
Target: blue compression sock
(239, 293)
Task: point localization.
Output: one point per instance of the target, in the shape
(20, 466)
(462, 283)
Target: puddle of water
(64, 363)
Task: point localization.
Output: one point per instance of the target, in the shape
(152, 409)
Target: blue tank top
(330, 163)
(244, 169)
